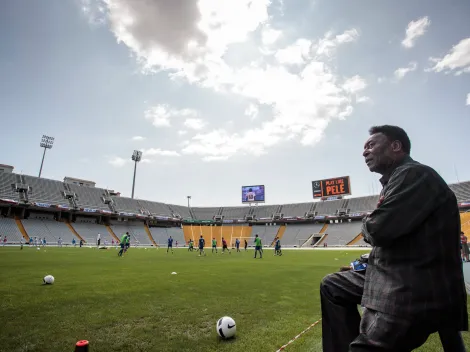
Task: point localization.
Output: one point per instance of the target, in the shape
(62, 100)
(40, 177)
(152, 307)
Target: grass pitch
(134, 304)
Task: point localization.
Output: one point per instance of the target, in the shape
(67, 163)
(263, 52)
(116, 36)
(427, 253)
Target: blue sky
(223, 94)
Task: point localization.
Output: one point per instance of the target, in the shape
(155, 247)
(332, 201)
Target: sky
(220, 94)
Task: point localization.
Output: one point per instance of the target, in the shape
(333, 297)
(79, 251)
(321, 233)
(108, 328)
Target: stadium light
(189, 197)
(46, 143)
(136, 157)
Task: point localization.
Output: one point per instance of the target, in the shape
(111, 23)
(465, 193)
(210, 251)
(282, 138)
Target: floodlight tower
(46, 143)
(189, 197)
(136, 157)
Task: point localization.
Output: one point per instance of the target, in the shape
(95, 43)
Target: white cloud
(458, 59)
(269, 36)
(160, 152)
(161, 115)
(468, 99)
(195, 124)
(326, 45)
(304, 50)
(296, 54)
(183, 35)
(401, 72)
(302, 101)
(354, 84)
(252, 111)
(381, 80)
(95, 11)
(146, 161)
(415, 30)
(117, 161)
(348, 36)
(182, 132)
(363, 99)
(138, 138)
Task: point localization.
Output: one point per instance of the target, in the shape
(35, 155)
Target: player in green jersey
(191, 245)
(123, 244)
(258, 246)
(214, 245)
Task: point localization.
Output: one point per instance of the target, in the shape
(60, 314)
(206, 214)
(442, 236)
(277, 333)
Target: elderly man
(414, 282)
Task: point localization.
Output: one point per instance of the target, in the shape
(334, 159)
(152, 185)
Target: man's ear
(396, 146)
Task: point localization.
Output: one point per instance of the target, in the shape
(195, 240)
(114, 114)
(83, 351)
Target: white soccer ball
(226, 327)
(48, 279)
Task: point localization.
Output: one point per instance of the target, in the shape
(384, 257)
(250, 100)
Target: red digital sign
(331, 187)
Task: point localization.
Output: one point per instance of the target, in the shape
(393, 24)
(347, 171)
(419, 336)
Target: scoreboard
(339, 186)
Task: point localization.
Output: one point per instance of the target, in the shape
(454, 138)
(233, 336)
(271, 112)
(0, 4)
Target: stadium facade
(43, 208)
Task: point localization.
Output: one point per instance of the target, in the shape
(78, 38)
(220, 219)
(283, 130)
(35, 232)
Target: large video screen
(338, 186)
(253, 194)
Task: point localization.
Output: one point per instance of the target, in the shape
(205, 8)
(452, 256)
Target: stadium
(280, 297)
(216, 174)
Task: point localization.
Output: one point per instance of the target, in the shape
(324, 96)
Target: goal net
(250, 242)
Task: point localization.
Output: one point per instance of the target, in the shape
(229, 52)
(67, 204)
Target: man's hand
(345, 268)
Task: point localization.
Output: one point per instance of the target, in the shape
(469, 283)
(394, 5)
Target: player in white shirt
(250, 196)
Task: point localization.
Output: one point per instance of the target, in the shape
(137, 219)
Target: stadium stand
(9, 228)
(6, 182)
(127, 205)
(136, 230)
(465, 222)
(48, 191)
(229, 232)
(161, 234)
(89, 197)
(265, 211)
(176, 233)
(362, 203)
(180, 210)
(330, 207)
(361, 243)
(205, 213)
(235, 212)
(461, 190)
(266, 233)
(49, 229)
(298, 209)
(342, 233)
(44, 190)
(89, 230)
(296, 232)
(154, 207)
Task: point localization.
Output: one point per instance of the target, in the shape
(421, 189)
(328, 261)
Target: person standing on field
(258, 246)
(464, 247)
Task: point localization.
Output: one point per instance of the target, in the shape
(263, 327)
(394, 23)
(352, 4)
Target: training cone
(82, 346)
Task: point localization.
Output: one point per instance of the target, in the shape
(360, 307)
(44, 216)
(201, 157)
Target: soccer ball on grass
(48, 279)
(226, 327)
